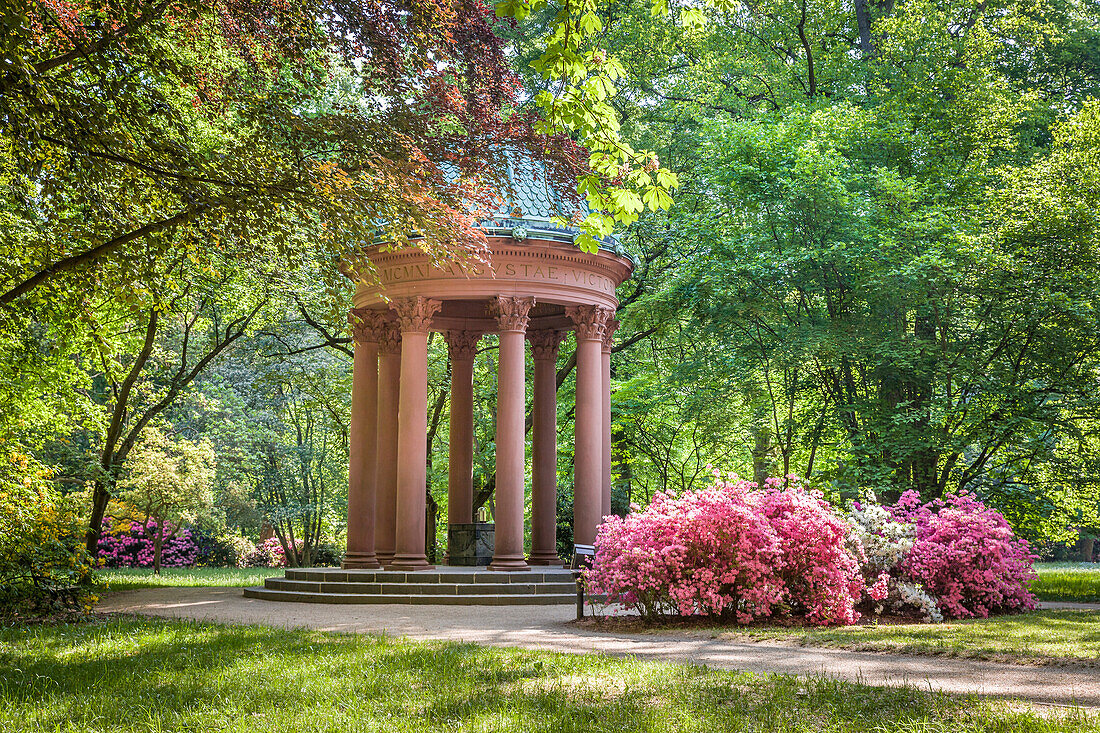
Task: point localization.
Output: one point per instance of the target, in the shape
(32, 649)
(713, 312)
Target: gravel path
(548, 627)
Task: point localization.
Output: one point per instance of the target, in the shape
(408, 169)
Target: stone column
(461, 347)
(366, 326)
(544, 476)
(415, 317)
(511, 315)
(588, 455)
(605, 472)
(389, 387)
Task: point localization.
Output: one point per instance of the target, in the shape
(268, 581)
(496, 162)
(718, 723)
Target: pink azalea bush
(267, 554)
(821, 575)
(127, 544)
(731, 549)
(966, 555)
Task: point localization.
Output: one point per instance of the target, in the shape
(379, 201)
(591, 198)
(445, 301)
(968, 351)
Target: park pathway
(548, 627)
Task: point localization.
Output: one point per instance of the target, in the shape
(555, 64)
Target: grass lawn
(1068, 581)
(145, 675)
(1030, 638)
(130, 578)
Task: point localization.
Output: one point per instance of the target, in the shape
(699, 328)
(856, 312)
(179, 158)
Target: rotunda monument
(537, 287)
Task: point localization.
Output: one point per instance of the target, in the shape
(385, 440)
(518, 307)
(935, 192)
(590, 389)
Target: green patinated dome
(531, 203)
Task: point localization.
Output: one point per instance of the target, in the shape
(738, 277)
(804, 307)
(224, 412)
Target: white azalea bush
(883, 543)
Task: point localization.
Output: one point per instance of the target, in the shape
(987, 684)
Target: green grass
(131, 578)
(145, 675)
(1068, 581)
(1040, 636)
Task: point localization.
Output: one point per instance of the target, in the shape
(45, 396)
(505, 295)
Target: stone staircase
(475, 586)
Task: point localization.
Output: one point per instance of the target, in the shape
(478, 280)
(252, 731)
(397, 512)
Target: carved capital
(462, 344)
(511, 313)
(545, 343)
(609, 330)
(589, 320)
(415, 314)
(389, 338)
(368, 324)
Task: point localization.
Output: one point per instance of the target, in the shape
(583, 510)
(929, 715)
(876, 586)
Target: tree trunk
(158, 547)
(100, 496)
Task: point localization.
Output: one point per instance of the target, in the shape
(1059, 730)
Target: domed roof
(531, 203)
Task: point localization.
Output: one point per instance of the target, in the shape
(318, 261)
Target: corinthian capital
(415, 314)
(545, 343)
(609, 330)
(511, 313)
(462, 344)
(589, 320)
(368, 325)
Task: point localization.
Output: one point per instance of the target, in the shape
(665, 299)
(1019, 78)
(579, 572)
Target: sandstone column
(588, 455)
(544, 476)
(415, 317)
(461, 347)
(511, 315)
(362, 439)
(605, 472)
(389, 387)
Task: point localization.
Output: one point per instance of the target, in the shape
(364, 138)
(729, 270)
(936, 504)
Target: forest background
(879, 272)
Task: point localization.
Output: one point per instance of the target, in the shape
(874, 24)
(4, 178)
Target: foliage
(730, 549)
(967, 556)
(143, 544)
(223, 551)
(168, 482)
(44, 568)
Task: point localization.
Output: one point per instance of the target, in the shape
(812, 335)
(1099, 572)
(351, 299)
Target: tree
(168, 483)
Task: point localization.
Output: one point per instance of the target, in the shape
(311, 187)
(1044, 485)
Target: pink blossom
(967, 556)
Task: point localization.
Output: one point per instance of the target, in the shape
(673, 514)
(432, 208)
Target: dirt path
(548, 627)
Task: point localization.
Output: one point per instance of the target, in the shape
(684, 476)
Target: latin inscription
(545, 273)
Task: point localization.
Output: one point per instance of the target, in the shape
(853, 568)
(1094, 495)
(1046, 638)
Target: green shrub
(44, 568)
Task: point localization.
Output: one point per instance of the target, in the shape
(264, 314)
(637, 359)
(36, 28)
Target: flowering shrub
(883, 543)
(267, 554)
(128, 544)
(731, 549)
(709, 552)
(822, 577)
(44, 567)
(967, 556)
(881, 588)
(883, 540)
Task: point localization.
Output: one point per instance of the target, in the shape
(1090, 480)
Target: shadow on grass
(131, 675)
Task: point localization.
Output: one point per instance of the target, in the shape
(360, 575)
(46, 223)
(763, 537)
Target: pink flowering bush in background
(267, 554)
(129, 544)
(731, 549)
(966, 555)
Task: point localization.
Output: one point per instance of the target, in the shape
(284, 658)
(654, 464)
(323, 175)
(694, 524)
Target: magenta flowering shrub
(967, 556)
(125, 544)
(267, 554)
(821, 575)
(730, 549)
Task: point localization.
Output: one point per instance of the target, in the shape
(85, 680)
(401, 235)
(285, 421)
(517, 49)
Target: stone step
(481, 575)
(402, 589)
(543, 599)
